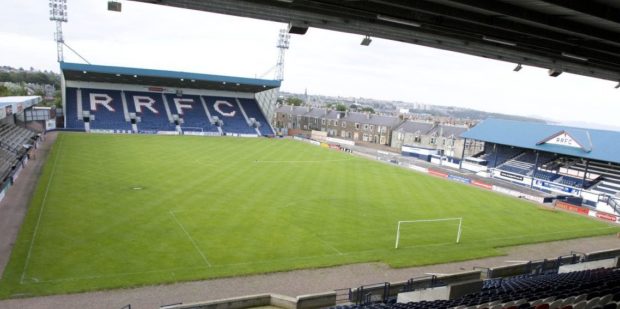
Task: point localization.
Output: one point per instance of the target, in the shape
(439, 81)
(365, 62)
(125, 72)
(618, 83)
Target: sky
(323, 62)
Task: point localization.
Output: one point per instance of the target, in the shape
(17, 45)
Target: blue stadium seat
(228, 111)
(253, 111)
(112, 110)
(150, 107)
(107, 107)
(191, 110)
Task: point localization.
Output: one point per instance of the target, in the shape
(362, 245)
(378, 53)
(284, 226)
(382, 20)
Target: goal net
(437, 226)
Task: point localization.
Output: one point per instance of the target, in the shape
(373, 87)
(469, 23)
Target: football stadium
(164, 179)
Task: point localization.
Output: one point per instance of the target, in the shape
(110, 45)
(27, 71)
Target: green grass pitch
(116, 211)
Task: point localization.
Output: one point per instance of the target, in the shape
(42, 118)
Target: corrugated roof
(601, 145)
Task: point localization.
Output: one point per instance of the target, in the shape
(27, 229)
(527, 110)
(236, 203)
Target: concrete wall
(452, 291)
(608, 263)
(605, 254)
(309, 301)
(418, 283)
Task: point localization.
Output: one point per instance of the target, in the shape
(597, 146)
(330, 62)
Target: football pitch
(115, 211)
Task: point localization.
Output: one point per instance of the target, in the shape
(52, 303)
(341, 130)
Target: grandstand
(560, 160)
(130, 100)
(15, 141)
(590, 288)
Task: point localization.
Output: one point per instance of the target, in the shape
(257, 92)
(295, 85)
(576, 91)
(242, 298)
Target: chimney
(338, 116)
(367, 115)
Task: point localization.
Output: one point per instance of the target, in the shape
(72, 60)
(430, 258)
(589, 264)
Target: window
(344, 124)
(372, 127)
(417, 139)
(365, 127)
(343, 133)
(357, 126)
(335, 122)
(323, 121)
(432, 140)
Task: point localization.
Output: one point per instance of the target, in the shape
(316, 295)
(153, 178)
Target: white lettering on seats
(180, 106)
(219, 110)
(100, 98)
(143, 101)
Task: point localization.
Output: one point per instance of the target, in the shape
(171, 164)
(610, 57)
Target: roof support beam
(591, 8)
(543, 20)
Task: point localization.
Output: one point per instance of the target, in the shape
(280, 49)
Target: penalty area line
(43, 203)
(204, 258)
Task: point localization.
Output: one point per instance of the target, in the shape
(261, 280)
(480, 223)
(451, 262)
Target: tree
(294, 101)
(341, 107)
(58, 99)
(4, 91)
(368, 109)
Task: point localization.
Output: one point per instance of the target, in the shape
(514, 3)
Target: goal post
(458, 233)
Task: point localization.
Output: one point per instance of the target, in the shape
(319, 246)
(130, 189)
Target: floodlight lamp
(518, 68)
(555, 72)
(366, 41)
(115, 6)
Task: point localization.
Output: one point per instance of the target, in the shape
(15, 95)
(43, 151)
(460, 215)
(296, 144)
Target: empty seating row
(14, 141)
(587, 289)
(500, 154)
(544, 175)
(154, 111)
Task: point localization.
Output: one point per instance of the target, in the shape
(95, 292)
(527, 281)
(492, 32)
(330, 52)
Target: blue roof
(167, 74)
(600, 145)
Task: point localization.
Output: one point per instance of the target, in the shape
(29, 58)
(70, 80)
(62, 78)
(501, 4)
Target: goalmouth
(458, 233)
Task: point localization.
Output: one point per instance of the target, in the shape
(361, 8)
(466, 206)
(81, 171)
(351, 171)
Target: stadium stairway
(252, 110)
(108, 108)
(228, 110)
(153, 110)
(72, 119)
(191, 109)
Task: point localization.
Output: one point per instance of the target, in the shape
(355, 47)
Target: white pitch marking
(36, 227)
(190, 238)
